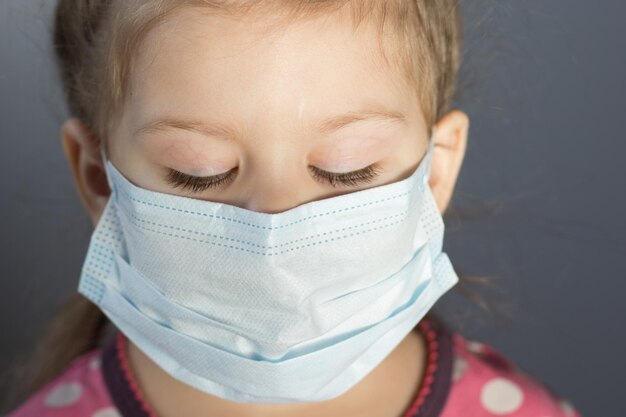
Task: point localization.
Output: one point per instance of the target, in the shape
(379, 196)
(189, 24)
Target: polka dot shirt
(462, 378)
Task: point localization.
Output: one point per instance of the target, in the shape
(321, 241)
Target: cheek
(404, 159)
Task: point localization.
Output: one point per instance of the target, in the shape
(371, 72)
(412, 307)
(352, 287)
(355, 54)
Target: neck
(386, 391)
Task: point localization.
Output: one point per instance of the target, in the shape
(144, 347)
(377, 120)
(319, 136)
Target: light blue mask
(296, 306)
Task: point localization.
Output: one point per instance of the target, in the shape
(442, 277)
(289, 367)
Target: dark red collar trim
(437, 381)
(429, 402)
(120, 381)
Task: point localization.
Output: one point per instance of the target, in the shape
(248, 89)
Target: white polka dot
(107, 412)
(567, 407)
(475, 347)
(95, 363)
(63, 395)
(458, 368)
(501, 396)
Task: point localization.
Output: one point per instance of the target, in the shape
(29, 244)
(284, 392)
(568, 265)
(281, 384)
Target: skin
(200, 67)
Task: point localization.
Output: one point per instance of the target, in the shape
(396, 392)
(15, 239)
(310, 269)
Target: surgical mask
(296, 306)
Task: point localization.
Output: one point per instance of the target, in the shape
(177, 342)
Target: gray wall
(541, 192)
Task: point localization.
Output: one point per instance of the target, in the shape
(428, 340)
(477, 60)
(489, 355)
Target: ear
(82, 150)
(450, 143)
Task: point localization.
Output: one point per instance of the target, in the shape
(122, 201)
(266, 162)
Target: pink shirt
(463, 378)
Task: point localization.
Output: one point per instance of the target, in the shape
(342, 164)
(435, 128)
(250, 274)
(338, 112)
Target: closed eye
(198, 184)
(352, 179)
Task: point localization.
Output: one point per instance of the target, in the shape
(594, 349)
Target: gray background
(541, 190)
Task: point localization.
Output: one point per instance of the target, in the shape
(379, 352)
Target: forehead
(195, 62)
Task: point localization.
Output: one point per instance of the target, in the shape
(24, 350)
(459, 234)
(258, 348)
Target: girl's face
(269, 116)
(266, 115)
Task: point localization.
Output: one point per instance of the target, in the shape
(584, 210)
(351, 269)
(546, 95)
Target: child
(266, 181)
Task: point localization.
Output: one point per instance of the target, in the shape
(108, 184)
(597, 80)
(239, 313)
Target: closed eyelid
(355, 178)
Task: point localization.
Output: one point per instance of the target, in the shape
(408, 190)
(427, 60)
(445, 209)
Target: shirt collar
(129, 400)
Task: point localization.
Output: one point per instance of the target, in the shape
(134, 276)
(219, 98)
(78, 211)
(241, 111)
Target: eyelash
(197, 184)
(352, 179)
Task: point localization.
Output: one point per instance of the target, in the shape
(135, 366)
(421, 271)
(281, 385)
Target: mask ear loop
(429, 154)
(107, 173)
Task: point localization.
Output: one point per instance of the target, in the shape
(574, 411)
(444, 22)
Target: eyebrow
(227, 131)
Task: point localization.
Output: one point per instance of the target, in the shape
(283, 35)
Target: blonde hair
(94, 42)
